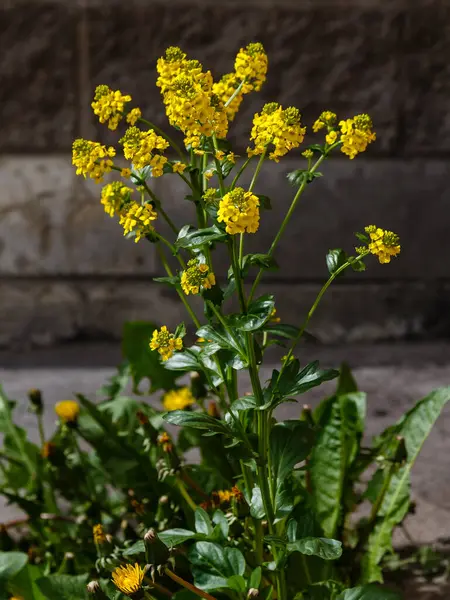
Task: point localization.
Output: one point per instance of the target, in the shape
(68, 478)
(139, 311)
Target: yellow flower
(327, 119)
(165, 342)
(128, 579)
(126, 173)
(178, 399)
(308, 153)
(281, 128)
(224, 89)
(273, 318)
(208, 174)
(91, 158)
(196, 277)
(384, 244)
(143, 147)
(231, 157)
(108, 105)
(356, 135)
(239, 210)
(137, 218)
(210, 196)
(219, 154)
(178, 167)
(331, 137)
(67, 410)
(134, 115)
(99, 534)
(114, 195)
(251, 66)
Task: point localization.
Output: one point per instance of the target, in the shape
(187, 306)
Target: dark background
(67, 274)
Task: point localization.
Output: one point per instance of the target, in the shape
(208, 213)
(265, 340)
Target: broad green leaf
(188, 360)
(220, 520)
(237, 583)
(369, 592)
(256, 504)
(137, 548)
(257, 314)
(196, 420)
(415, 427)
(290, 443)
(203, 522)
(64, 587)
(335, 448)
(293, 382)
(24, 583)
(255, 578)
(245, 403)
(346, 382)
(11, 563)
(263, 261)
(322, 547)
(144, 362)
(213, 565)
(223, 338)
(174, 537)
(335, 260)
(195, 238)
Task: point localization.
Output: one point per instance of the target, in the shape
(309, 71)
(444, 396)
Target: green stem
(160, 132)
(41, 428)
(16, 438)
(241, 251)
(239, 173)
(187, 585)
(186, 495)
(257, 170)
(286, 220)
(218, 168)
(234, 94)
(237, 274)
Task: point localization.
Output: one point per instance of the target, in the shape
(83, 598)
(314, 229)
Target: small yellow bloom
(137, 218)
(384, 244)
(196, 277)
(239, 210)
(208, 174)
(251, 66)
(91, 158)
(113, 197)
(99, 534)
(231, 157)
(178, 167)
(108, 105)
(308, 153)
(219, 155)
(178, 399)
(327, 119)
(356, 135)
(134, 115)
(273, 318)
(126, 173)
(143, 149)
(331, 137)
(165, 342)
(67, 410)
(128, 579)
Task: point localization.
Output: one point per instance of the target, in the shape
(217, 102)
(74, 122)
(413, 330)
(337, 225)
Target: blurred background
(66, 272)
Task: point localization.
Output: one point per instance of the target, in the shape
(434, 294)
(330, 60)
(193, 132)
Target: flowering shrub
(270, 509)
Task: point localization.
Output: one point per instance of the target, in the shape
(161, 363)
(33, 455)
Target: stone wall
(65, 269)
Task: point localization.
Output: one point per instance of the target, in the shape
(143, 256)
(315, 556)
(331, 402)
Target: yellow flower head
(331, 137)
(308, 153)
(170, 66)
(134, 115)
(178, 399)
(383, 243)
(91, 158)
(143, 149)
(327, 119)
(137, 218)
(99, 534)
(239, 210)
(108, 105)
(196, 277)
(281, 128)
(210, 197)
(220, 154)
(231, 157)
(114, 196)
(67, 410)
(224, 89)
(128, 579)
(178, 167)
(251, 66)
(165, 342)
(356, 135)
(126, 173)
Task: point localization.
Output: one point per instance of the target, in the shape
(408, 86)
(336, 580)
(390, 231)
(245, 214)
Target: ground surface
(394, 376)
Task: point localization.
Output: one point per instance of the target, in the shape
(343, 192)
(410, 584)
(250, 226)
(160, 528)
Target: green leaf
(263, 261)
(223, 338)
(172, 281)
(137, 548)
(117, 383)
(265, 203)
(415, 427)
(369, 592)
(256, 504)
(245, 403)
(220, 520)
(290, 443)
(203, 522)
(322, 547)
(335, 259)
(187, 360)
(195, 238)
(334, 450)
(299, 176)
(24, 583)
(174, 537)
(64, 587)
(11, 563)
(258, 313)
(255, 578)
(145, 363)
(237, 583)
(214, 565)
(294, 382)
(195, 420)
(346, 382)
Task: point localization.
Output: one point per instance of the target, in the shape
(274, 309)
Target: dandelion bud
(35, 398)
(94, 589)
(307, 415)
(253, 593)
(156, 552)
(213, 411)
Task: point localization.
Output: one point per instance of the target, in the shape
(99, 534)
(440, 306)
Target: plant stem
(234, 94)
(158, 130)
(237, 275)
(187, 585)
(286, 220)
(239, 173)
(257, 170)
(41, 428)
(186, 495)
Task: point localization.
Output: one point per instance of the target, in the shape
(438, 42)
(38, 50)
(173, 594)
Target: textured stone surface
(38, 75)
(340, 59)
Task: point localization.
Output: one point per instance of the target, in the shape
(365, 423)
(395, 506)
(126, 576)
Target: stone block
(38, 74)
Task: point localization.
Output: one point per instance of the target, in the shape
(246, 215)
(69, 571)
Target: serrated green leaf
(213, 565)
(187, 360)
(174, 537)
(325, 548)
(263, 261)
(290, 443)
(294, 382)
(195, 238)
(196, 420)
(137, 548)
(258, 313)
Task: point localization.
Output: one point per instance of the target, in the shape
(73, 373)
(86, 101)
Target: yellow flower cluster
(356, 134)
(196, 277)
(91, 158)
(165, 342)
(137, 218)
(190, 102)
(178, 399)
(99, 534)
(134, 115)
(113, 197)
(384, 244)
(128, 579)
(178, 167)
(239, 210)
(224, 89)
(251, 67)
(109, 105)
(143, 147)
(281, 128)
(67, 410)
(327, 119)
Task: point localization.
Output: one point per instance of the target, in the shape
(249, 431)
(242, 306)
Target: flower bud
(253, 593)
(94, 589)
(35, 398)
(307, 415)
(156, 552)
(213, 411)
